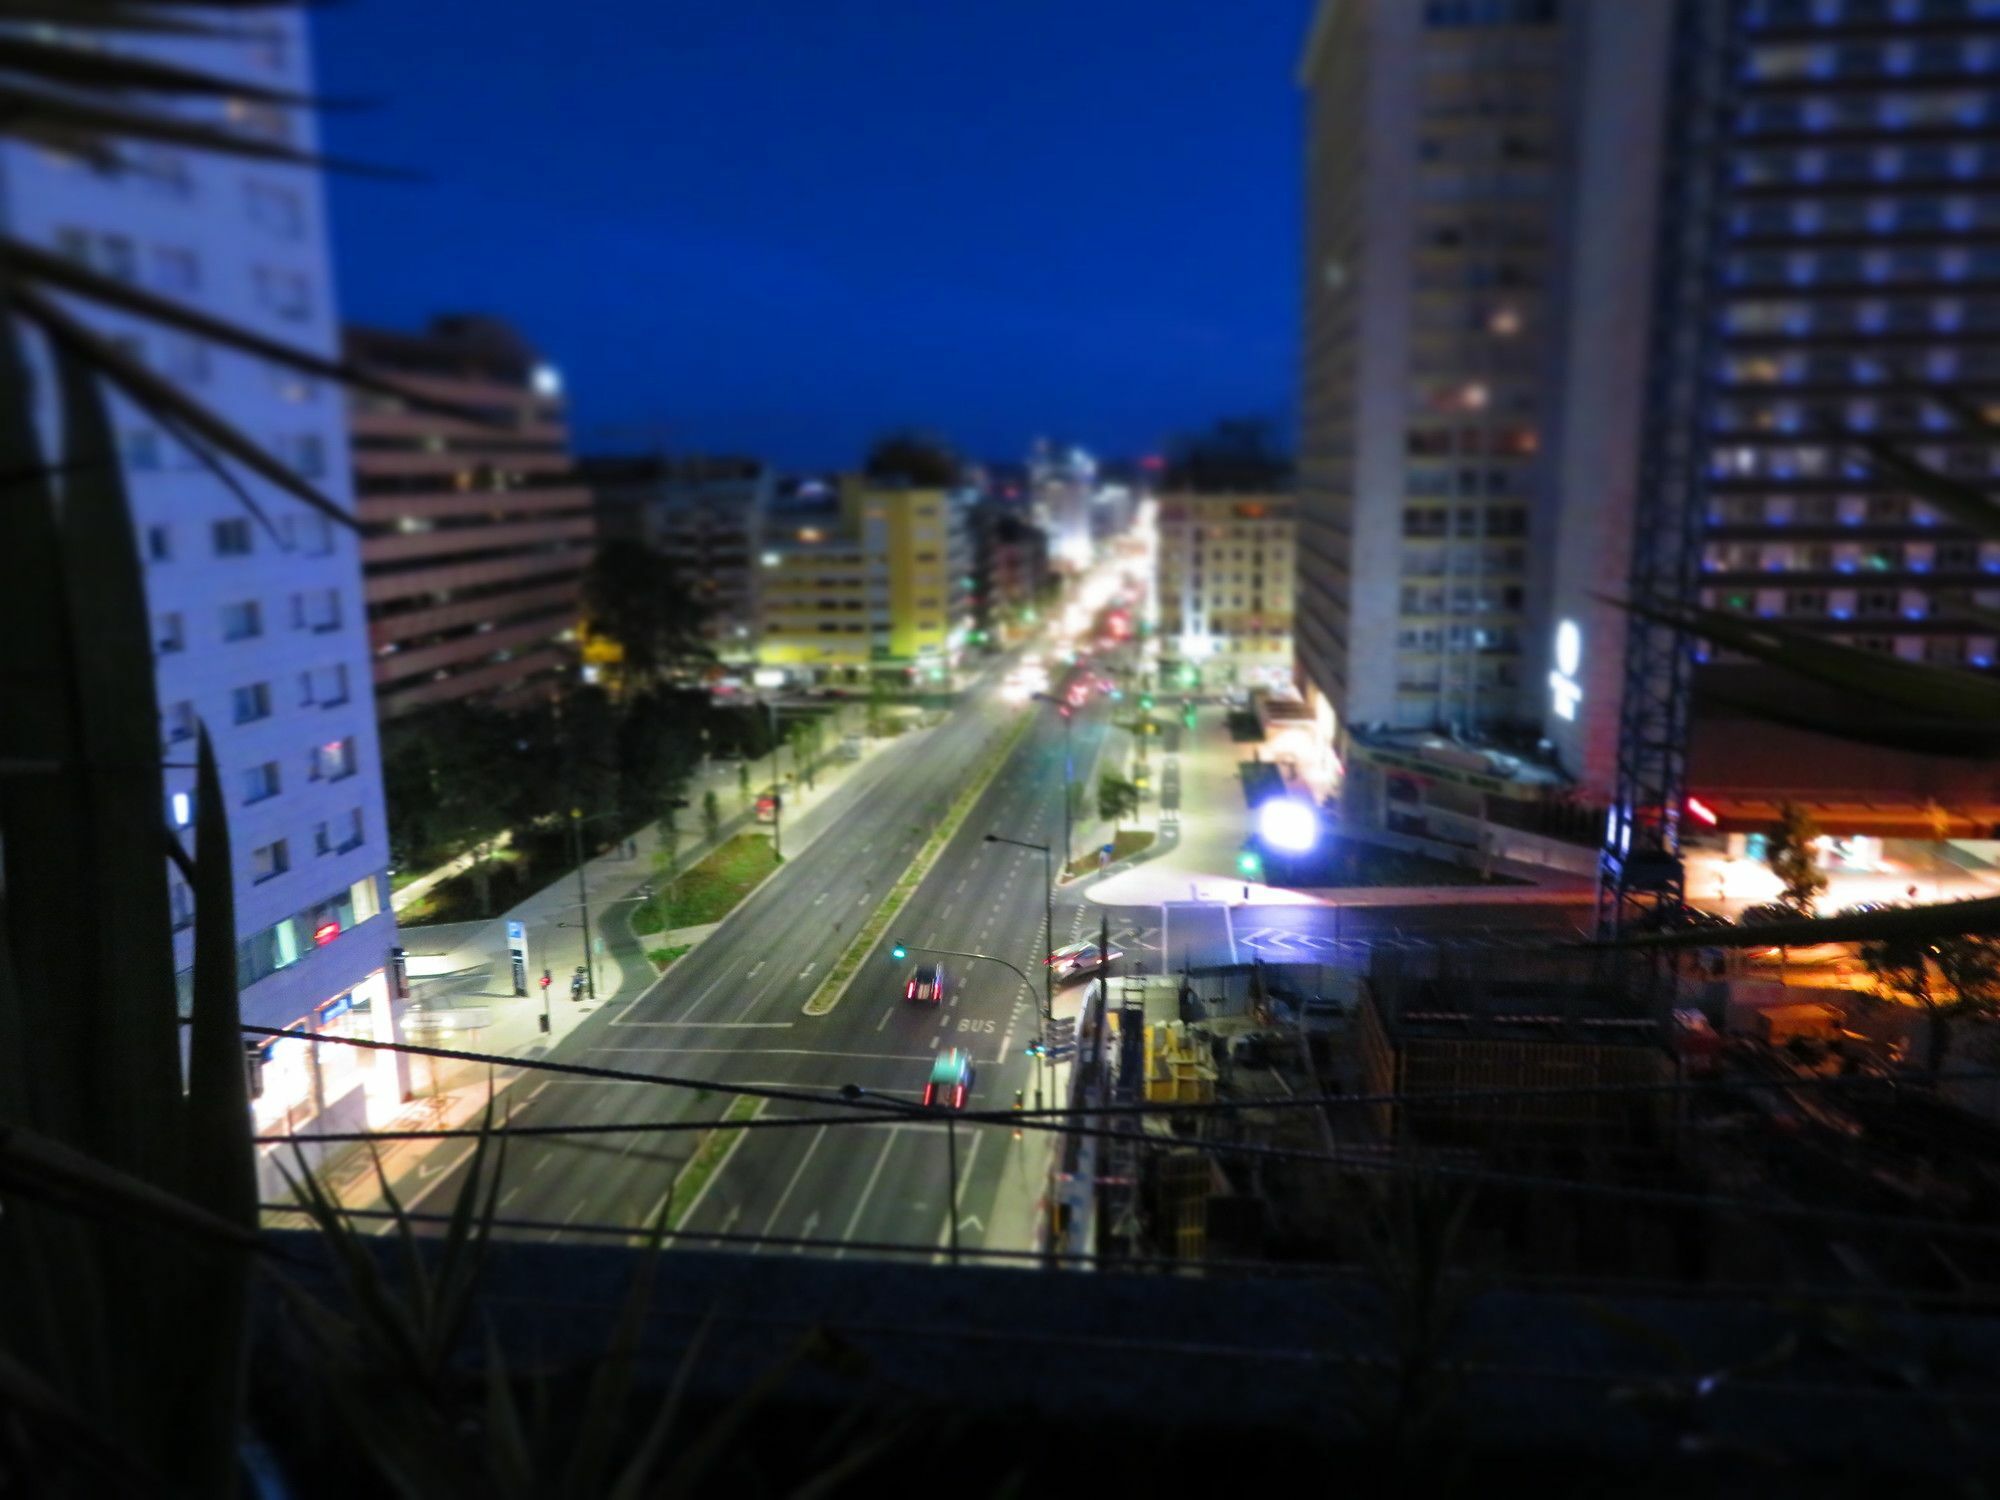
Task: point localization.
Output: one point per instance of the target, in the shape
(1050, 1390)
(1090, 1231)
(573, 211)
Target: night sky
(782, 226)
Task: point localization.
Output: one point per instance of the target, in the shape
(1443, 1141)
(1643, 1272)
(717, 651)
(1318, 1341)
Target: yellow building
(880, 583)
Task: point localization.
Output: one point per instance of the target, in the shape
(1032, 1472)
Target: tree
(1236, 456)
(453, 779)
(1794, 860)
(636, 597)
(711, 815)
(1946, 978)
(878, 701)
(1117, 798)
(912, 458)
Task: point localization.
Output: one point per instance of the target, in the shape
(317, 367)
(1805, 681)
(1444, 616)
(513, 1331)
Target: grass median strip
(834, 986)
(708, 891)
(661, 957)
(708, 1158)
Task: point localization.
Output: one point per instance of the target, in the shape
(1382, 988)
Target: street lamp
(1062, 712)
(1048, 912)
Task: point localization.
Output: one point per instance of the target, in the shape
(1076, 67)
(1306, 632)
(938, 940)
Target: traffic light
(1248, 863)
(1146, 702)
(899, 951)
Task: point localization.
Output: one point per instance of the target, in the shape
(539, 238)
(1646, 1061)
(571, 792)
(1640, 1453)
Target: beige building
(877, 579)
(1225, 582)
(474, 537)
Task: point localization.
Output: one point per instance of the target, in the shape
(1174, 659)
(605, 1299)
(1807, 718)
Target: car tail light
(930, 1091)
(958, 1097)
(909, 989)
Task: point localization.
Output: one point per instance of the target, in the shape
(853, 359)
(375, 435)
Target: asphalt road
(730, 1012)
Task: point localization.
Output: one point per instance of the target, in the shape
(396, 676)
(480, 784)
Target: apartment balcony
(411, 546)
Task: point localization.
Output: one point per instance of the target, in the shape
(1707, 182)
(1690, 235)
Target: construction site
(1520, 1111)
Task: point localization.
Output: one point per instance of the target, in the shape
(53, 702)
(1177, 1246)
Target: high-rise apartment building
(1434, 212)
(706, 517)
(475, 533)
(1856, 281)
(876, 580)
(259, 630)
(1224, 587)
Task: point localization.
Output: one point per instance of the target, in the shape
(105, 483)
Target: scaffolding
(1639, 868)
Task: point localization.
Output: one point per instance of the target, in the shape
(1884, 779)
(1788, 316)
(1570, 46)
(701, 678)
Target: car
(951, 1080)
(1868, 908)
(926, 982)
(1080, 958)
(1684, 918)
(1768, 911)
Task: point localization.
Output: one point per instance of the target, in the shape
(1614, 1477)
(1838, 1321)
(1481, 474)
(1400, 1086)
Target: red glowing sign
(326, 932)
(1702, 812)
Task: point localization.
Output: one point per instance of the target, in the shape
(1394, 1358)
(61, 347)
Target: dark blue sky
(783, 226)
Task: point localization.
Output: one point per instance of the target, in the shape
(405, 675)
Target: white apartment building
(260, 633)
(1223, 586)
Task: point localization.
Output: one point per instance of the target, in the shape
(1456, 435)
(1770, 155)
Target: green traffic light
(1247, 862)
(1146, 701)
(899, 951)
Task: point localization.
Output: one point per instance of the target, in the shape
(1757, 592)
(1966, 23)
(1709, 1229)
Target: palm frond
(35, 107)
(1939, 692)
(1961, 503)
(90, 68)
(65, 274)
(164, 400)
(1921, 924)
(109, 15)
(1854, 721)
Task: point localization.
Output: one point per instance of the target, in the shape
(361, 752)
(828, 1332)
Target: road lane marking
(885, 1018)
(711, 1025)
(819, 898)
(765, 1052)
(754, 968)
(786, 1196)
(868, 1191)
(806, 972)
(958, 1191)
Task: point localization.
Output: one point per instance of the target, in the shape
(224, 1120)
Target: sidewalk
(1214, 822)
(467, 1002)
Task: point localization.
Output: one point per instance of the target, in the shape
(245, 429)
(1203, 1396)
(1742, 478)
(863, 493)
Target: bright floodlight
(1289, 824)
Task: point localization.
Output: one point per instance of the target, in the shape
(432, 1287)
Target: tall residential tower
(259, 630)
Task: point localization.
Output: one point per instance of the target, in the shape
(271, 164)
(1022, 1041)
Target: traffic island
(834, 987)
(709, 890)
(1129, 843)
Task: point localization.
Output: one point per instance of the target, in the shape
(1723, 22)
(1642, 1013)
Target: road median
(833, 988)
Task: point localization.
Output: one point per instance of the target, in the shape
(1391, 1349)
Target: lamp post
(1063, 713)
(1048, 912)
(583, 900)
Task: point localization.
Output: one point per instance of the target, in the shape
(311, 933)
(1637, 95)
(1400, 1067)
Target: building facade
(1856, 281)
(706, 517)
(1434, 203)
(260, 629)
(1010, 568)
(1224, 589)
(874, 580)
(475, 533)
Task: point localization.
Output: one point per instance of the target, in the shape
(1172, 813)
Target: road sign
(1067, 1049)
(517, 932)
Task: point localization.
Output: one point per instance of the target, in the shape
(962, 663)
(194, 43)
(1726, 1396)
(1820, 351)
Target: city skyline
(1093, 235)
